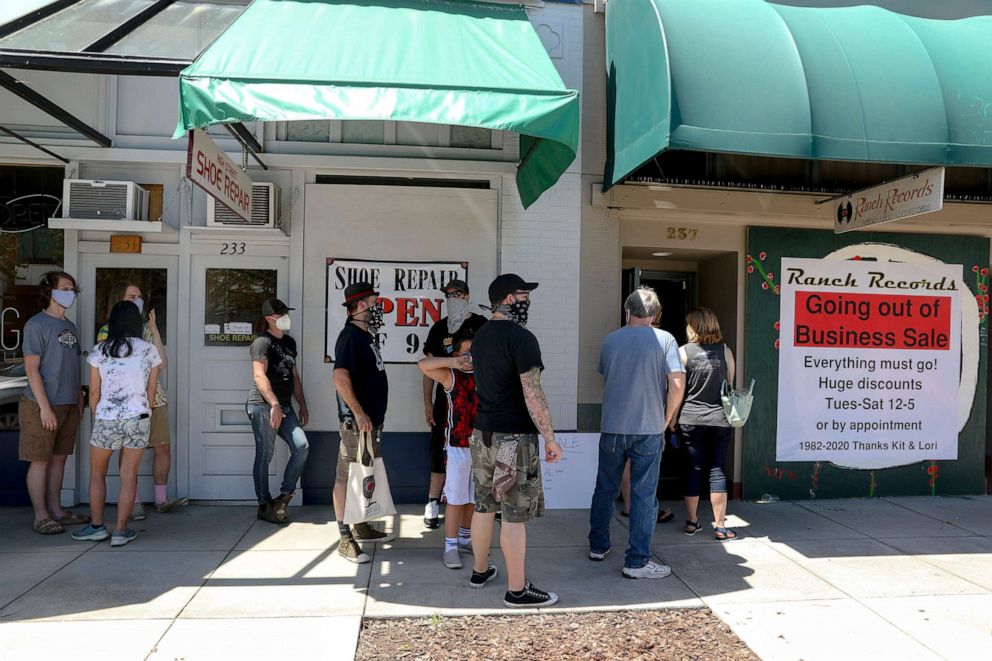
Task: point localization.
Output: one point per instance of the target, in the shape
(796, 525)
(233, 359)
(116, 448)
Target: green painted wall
(802, 480)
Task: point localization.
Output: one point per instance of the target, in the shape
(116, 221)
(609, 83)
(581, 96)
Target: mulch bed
(693, 633)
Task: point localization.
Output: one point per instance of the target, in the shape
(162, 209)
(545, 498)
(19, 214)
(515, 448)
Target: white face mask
(64, 298)
(283, 323)
(140, 302)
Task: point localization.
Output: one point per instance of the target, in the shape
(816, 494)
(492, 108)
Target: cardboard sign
(869, 364)
(411, 297)
(208, 167)
(126, 243)
(910, 196)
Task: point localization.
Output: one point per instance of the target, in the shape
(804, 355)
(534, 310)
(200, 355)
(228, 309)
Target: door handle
(86, 396)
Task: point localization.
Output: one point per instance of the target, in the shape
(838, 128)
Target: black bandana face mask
(516, 311)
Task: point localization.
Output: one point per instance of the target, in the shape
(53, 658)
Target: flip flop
(724, 535)
(48, 527)
(666, 515)
(70, 518)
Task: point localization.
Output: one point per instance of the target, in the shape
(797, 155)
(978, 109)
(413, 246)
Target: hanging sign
(869, 362)
(208, 167)
(411, 298)
(914, 195)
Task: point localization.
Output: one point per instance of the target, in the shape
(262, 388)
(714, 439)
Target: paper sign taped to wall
(570, 481)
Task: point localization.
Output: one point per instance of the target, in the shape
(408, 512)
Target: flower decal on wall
(767, 277)
(982, 295)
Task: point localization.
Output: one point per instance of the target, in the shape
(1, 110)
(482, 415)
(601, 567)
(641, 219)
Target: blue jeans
(644, 453)
(265, 445)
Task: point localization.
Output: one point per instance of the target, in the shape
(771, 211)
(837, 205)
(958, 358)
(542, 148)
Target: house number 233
(233, 248)
(681, 234)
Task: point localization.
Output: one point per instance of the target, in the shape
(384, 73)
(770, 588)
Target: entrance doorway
(156, 276)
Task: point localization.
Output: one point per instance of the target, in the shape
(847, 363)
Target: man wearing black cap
(460, 316)
(270, 409)
(362, 393)
(506, 467)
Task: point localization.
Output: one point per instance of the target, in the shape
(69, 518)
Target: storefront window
(233, 305)
(153, 284)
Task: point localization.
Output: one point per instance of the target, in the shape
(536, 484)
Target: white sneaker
(599, 557)
(650, 570)
(432, 514)
(452, 559)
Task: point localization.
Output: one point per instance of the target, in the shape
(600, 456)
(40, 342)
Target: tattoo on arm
(537, 403)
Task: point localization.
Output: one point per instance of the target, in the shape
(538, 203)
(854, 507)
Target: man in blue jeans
(270, 409)
(641, 369)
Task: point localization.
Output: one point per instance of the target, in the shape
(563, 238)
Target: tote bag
(737, 403)
(368, 489)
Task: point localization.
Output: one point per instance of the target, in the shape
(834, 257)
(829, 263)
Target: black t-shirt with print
(439, 345)
(501, 352)
(356, 351)
(280, 352)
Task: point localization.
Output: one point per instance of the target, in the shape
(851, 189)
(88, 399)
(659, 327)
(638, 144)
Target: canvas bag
(737, 403)
(368, 489)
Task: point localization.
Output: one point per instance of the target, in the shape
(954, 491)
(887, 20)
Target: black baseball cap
(506, 284)
(357, 291)
(274, 306)
(455, 285)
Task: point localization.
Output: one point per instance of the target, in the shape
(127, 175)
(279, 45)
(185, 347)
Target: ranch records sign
(411, 299)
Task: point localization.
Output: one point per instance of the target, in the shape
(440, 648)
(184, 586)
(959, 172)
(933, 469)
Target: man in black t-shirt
(270, 409)
(506, 467)
(438, 345)
(362, 394)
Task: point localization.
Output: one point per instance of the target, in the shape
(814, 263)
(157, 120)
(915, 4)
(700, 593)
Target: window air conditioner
(264, 209)
(104, 200)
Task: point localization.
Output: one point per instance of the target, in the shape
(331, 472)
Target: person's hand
(48, 420)
(363, 421)
(429, 413)
(304, 416)
(673, 425)
(552, 451)
(463, 363)
(275, 416)
(151, 321)
(81, 403)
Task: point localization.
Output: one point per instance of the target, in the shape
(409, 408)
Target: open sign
(28, 212)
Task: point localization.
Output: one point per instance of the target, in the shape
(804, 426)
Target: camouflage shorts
(129, 434)
(524, 500)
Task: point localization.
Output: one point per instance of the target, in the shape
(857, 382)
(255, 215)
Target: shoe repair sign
(208, 167)
(869, 364)
(410, 296)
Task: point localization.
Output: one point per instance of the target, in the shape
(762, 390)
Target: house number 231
(234, 248)
(681, 234)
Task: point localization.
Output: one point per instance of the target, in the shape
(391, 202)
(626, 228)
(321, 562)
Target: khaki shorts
(524, 501)
(39, 444)
(348, 450)
(159, 434)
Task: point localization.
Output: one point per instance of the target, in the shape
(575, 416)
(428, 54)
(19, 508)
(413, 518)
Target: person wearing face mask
(159, 438)
(460, 315)
(270, 408)
(362, 394)
(52, 403)
(506, 467)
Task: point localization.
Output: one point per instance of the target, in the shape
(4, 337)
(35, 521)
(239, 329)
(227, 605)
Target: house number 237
(234, 248)
(681, 234)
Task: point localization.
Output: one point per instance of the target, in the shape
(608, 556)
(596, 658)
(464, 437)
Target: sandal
(48, 527)
(70, 518)
(724, 535)
(666, 515)
(691, 528)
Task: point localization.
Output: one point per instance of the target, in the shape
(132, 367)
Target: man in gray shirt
(641, 368)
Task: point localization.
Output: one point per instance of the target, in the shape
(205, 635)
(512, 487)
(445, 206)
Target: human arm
(258, 368)
(428, 386)
(676, 391)
(32, 367)
(342, 383)
(156, 339)
(728, 355)
(152, 384)
(537, 407)
(439, 369)
(94, 388)
(300, 398)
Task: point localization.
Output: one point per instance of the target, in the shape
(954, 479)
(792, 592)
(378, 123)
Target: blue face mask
(140, 302)
(64, 298)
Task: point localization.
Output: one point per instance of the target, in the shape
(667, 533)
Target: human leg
(99, 460)
(613, 464)
(483, 464)
(53, 490)
(265, 437)
(292, 433)
(37, 482)
(625, 489)
(644, 452)
(694, 458)
(513, 542)
(720, 442)
(130, 458)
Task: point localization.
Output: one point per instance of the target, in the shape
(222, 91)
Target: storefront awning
(437, 61)
(747, 76)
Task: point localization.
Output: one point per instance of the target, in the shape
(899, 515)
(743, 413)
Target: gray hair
(643, 303)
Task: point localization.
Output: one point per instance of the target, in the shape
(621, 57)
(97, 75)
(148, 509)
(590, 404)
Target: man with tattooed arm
(505, 463)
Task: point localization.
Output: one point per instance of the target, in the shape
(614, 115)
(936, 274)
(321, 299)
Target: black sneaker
(479, 579)
(531, 597)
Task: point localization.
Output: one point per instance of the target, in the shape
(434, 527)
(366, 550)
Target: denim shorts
(128, 434)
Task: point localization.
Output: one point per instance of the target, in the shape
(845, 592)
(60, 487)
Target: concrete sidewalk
(886, 578)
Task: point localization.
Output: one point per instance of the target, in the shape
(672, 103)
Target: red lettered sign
(208, 167)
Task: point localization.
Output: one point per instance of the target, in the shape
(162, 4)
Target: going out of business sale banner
(869, 364)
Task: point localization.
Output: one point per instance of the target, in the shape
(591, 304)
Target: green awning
(747, 76)
(437, 61)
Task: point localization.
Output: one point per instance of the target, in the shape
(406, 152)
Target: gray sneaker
(351, 551)
(465, 547)
(120, 538)
(650, 570)
(91, 533)
(365, 533)
(138, 512)
(451, 558)
(171, 504)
